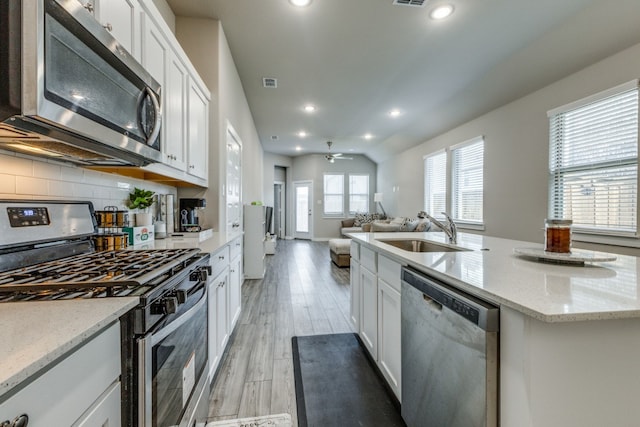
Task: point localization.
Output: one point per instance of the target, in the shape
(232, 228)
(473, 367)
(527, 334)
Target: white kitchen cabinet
(375, 310)
(389, 333)
(254, 235)
(77, 390)
(175, 113)
(122, 19)
(197, 130)
(235, 282)
(155, 52)
(369, 310)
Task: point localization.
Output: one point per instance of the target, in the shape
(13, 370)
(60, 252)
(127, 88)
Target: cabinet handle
(233, 271)
(89, 7)
(107, 27)
(220, 257)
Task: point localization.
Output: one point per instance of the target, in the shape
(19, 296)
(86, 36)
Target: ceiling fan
(331, 158)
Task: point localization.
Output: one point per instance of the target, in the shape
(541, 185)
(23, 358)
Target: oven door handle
(163, 332)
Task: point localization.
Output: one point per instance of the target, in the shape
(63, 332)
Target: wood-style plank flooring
(302, 293)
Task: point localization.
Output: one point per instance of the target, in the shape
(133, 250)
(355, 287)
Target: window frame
(453, 207)
(325, 194)
(427, 194)
(351, 212)
(594, 234)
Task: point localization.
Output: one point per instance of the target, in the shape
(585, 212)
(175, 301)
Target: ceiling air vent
(269, 82)
(274, 137)
(414, 3)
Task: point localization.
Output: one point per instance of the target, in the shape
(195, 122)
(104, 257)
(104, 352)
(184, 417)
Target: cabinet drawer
(355, 250)
(368, 259)
(63, 393)
(389, 271)
(236, 248)
(219, 260)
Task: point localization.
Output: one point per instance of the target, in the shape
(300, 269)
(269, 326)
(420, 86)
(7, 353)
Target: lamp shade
(377, 197)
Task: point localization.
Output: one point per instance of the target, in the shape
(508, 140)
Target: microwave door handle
(156, 108)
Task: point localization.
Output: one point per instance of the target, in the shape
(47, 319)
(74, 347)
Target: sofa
(365, 223)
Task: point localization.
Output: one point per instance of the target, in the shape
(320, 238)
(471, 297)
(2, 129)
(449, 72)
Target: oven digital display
(28, 217)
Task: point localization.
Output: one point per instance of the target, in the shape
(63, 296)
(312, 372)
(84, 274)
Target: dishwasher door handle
(431, 303)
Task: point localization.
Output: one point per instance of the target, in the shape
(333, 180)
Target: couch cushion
(384, 227)
(346, 230)
(347, 222)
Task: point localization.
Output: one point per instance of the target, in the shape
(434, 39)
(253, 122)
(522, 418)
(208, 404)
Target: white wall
(312, 167)
(516, 152)
(206, 45)
(26, 178)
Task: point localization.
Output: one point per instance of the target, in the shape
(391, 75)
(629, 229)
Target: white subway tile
(13, 165)
(71, 174)
(60, 189)
(46, 170)
(7, 184)
(32, 186)
(83, 191)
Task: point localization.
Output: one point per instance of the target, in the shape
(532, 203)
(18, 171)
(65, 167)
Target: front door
(303, 198)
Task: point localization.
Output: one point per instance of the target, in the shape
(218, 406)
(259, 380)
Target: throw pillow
(423, 225)
(410, 224)
(359, 219)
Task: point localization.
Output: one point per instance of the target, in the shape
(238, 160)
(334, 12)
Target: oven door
(173, 365)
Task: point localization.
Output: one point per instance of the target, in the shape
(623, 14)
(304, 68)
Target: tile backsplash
(26, 178)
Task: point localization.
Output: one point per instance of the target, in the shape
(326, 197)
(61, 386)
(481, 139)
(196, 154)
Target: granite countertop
(35, 334)
(547, 292)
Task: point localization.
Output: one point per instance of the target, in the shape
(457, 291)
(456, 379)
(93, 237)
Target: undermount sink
(417, 245)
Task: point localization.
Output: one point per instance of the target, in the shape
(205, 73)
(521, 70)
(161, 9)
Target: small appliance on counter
(189, 221)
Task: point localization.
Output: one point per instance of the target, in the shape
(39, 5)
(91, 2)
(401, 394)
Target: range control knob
(167, 305)
(181, 295)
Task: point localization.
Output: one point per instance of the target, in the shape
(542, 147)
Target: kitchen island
(569, 335)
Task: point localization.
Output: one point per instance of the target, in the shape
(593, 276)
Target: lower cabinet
(81, 390)
(224, 290)
(375, 310)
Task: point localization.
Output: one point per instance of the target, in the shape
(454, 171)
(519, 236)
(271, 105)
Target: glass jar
(557, 236)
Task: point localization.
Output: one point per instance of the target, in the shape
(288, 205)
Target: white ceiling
(357, 59)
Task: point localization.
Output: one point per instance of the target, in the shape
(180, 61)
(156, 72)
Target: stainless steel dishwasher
(449, 355)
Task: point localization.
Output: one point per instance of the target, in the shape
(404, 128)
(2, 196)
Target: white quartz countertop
(210, 245)
(547, 292)
(35, 334)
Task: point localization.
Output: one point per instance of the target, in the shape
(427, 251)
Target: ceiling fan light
(332, 160)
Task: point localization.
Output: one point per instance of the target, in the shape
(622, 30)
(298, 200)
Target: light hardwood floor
(302, 293)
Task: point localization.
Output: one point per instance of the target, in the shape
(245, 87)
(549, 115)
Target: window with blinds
(435, 184)
(358, 193)
(334, 194)
(593, 162)
(467, 170)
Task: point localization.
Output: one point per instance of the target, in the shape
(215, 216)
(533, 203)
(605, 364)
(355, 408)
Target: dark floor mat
(336, 385)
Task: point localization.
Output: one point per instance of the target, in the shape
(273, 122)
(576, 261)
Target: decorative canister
(557, 236)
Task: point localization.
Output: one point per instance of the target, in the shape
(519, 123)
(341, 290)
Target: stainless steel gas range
(46, 253)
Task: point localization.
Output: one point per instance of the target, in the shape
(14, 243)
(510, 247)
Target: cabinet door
(222, 319)
(122, 19)
(389, 341)
(355, 294)
(214, 355)
(155, 56)
(106, 412)
(235, 291)
(369, 311)
(175, 113)
(198, 131)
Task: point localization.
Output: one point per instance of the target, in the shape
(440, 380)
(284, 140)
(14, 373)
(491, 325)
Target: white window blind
(593, 162)
(435, 183)
(334, 194)
(358, 193)
(467, 167)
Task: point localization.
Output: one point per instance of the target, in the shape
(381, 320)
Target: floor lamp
(377, 198)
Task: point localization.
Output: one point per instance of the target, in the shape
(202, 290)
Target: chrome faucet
(449, 228)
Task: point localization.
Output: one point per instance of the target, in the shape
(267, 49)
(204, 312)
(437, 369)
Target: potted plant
(141, 199)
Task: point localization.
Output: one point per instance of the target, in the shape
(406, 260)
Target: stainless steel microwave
(69, 91)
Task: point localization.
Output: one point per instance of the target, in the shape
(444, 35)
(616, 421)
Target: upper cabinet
(139, 27)
(122, 19)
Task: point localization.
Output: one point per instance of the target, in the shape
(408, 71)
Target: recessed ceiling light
(368, 136)
(300, 3)
(394, 113)
(298, 148)
(302, 134)
(441, 12)
(309, 108)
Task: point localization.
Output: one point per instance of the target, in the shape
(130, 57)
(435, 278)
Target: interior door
(303, 206)
(278, 209)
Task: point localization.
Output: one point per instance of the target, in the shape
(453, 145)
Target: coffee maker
(189, 208)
